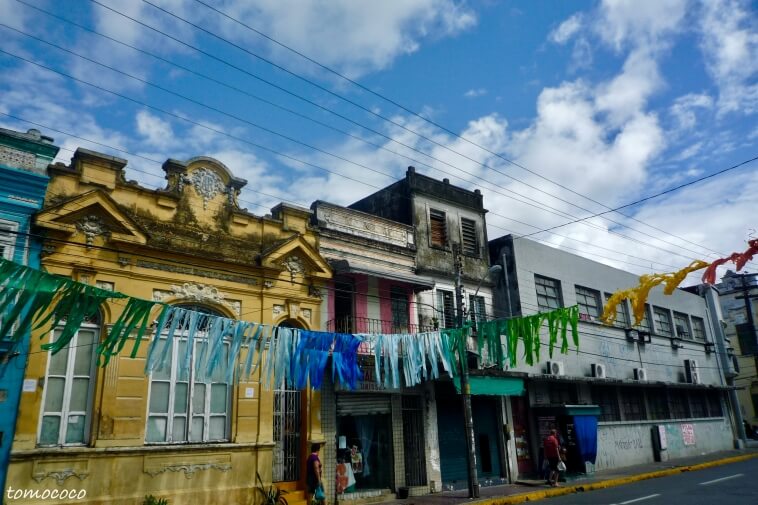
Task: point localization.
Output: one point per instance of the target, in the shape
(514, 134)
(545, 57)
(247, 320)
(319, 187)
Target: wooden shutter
(469, 243)
(438, 228)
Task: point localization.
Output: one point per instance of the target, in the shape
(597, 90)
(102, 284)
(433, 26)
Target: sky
(556, 111)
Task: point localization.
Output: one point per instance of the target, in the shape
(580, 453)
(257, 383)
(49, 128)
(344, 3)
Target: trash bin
(402, 493)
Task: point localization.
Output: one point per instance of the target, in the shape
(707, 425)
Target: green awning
(493, 386)
(568, 410)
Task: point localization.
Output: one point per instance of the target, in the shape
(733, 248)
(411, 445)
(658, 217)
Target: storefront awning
(493, 386)
(567, 410)
(344, 267)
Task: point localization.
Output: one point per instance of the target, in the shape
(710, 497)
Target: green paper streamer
(27, 293)
(527, 330)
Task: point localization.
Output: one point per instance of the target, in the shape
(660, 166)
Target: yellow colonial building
(120, 434)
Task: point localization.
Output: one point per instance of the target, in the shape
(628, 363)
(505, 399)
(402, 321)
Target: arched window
(66, 413)
(184, 406)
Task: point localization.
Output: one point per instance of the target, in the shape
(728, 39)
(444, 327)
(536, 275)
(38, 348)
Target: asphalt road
(733, 484)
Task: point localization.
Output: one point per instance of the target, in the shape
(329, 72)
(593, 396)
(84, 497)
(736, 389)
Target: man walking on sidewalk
(552, 451)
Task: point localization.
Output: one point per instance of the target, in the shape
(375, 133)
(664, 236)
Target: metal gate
(413, 441)
(287, 457)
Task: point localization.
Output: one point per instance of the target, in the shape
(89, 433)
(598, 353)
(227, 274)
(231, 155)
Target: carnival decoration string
(638, 295)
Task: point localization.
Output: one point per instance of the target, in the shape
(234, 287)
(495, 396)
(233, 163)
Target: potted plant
(152, 500)
(271, 494)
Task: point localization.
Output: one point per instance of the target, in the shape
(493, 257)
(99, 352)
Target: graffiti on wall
(628, 444)
(688, 434)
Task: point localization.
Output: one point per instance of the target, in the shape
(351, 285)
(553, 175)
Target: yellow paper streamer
(638, 296)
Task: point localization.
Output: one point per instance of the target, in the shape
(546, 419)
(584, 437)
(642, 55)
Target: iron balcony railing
(352, 324)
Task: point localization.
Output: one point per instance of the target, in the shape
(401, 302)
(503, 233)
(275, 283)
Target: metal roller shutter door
(358, 404)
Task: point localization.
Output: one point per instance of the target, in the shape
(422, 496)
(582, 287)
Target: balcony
(372, 326)
(352, 324)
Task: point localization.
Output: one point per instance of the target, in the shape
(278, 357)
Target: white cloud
(154, 130)
(628, 92)
(730, 46)
(685, 109)
(355, 37)
(13, 14)
(638, 22)
(475, 92)
(566, 30)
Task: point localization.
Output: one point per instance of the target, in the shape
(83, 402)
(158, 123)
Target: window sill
(660, 421)
(69, 451)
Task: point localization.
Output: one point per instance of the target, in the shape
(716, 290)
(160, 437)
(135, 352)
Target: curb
(561, 491)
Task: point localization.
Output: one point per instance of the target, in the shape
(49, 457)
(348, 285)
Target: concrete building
(742, 333)
(193, 441)
(662, 382)
(450, 234)
(24, 158)
(378, 439)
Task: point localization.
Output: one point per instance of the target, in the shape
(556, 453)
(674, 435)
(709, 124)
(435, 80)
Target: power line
(430, 121)
(535, 204)
(656, 195)
(304, 79)
(540, 206)
(341, 97)
(300, 203)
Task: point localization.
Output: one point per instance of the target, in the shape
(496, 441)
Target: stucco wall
(626, 444)
(604, 344)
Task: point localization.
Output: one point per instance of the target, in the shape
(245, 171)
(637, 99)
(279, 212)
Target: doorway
(288, 442)
(343, 307)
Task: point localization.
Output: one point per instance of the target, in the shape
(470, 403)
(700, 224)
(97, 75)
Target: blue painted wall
(22, 193)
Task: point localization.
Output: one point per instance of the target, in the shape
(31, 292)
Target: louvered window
(469, 242)
(438, 228)
(446, 308)
(6, 240)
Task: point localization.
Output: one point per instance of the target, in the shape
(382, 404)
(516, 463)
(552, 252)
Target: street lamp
(491, 273)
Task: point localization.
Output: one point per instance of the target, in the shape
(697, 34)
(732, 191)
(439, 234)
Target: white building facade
(659, 384)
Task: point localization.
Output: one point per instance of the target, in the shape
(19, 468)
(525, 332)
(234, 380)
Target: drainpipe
(711, 300)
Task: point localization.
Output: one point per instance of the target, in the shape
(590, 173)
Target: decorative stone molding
(107, 286)
(189, 464)
(92, 226)
(363, 225)
(189, 470)
(207, 184)
(268, 284)
(47, 249)
(200, 293)
(124, 261)
(294, 265)
(60, 470)
(306, 313)
(277, 310)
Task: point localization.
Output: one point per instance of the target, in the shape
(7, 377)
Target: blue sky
(613, 100)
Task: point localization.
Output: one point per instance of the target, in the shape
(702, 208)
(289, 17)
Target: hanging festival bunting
(345, 369)
(28, 294)
(638, 296)
(212, 346)
(527, 330)
(739, 259)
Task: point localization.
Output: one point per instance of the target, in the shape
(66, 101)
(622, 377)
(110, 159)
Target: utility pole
(468, 417)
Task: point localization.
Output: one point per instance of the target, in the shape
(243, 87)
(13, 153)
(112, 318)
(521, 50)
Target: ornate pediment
(297, 257)
(205, 179)
(92, 215)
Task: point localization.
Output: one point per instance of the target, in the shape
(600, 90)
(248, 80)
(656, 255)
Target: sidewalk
(524, 491)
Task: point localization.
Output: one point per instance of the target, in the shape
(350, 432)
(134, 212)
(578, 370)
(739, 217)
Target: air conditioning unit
(555, 368)
(691, 371)
(640, 374)
(598, 370)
